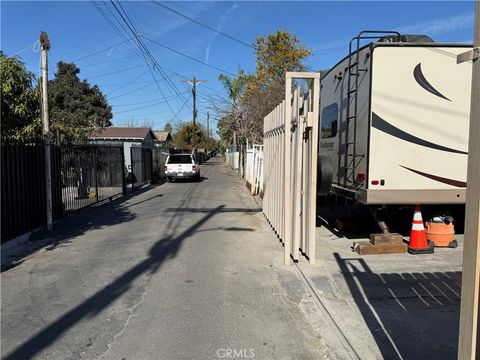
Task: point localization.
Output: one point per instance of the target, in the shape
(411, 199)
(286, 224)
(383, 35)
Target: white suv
(180, 166)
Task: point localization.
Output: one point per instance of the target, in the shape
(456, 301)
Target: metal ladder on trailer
(352, 158)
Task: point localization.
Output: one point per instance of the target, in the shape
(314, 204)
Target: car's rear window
(180, 159)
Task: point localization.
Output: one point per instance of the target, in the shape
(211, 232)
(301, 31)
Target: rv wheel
(324, 174)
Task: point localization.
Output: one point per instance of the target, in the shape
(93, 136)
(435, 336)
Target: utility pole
(208, 125)
(194, 83)
(469, 306)
(45, 45)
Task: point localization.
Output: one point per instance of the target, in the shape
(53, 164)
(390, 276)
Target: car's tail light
(194, 168)
(165, 168)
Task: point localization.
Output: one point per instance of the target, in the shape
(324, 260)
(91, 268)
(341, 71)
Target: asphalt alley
(185, 270)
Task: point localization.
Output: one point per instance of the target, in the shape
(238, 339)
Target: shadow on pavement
(73, 225)
(207, 210)
(186, 180)
(409, 315)
(164, 249)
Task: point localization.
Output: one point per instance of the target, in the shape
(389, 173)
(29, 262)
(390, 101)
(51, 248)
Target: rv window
(329, 121)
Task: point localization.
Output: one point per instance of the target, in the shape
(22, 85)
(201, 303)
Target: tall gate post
(287, 172)
(290, 168)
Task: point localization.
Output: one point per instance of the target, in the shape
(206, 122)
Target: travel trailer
(394, 118)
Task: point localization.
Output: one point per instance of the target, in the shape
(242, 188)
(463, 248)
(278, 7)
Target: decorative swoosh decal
(420, 79)
(456, 183)
(382, 125)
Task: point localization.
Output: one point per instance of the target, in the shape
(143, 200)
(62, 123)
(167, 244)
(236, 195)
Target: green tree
(229, 109)
(275, 55)
(278, 53)
(76, 108)
(168, 127)
(20, 102)
(235, 86)
(252, 96)
(184, 135)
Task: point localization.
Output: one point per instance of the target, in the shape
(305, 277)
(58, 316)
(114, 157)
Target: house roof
(111, 132)
(163, 135)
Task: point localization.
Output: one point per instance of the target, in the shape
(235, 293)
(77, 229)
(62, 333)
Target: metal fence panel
(89, 174)
(290, 168)
(142, 166)
(81, 176)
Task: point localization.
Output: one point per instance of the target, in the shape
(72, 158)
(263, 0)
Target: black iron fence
(82, 175)
(23, 189)
(89, 174)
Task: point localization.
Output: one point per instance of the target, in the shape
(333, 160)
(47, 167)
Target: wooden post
(468, 335)
(312, 200)
(287, 171)
(45, 45)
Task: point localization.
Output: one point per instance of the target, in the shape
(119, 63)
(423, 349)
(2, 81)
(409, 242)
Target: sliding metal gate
(142, 165)
(290, 167)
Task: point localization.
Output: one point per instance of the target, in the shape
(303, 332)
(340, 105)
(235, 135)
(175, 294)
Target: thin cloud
(223, 20)
(172, 22)
(440, 26)
(431, 28)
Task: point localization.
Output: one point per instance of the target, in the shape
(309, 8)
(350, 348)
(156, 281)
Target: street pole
(194, 133)
(45, 45)
(194, 83)
(468, 334)
(208, 126)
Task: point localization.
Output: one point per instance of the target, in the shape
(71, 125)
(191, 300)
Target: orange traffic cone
(418, 243)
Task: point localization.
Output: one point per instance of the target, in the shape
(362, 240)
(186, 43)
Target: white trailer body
(405, 140)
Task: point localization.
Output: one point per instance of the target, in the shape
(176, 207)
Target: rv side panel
(336, 134)
(419, 126)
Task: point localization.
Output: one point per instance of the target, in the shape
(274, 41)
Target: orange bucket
(440, 233)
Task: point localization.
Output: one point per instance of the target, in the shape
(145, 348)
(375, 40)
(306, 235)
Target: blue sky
(78, 29)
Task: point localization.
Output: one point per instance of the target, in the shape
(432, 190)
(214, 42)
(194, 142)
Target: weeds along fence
(290, 166)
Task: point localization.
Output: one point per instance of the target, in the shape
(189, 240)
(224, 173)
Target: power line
(132, 91)
(129, 82)
(116, 71)
(147, 106)
(112, 24)
(188, 56)
(138, 103)
(143, 51)
(108, 61)
(183, 106)
(127, 25)
(203, 25)
(100, 51)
